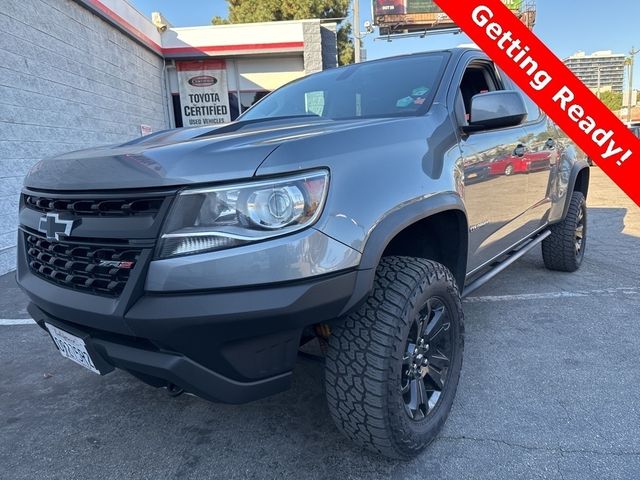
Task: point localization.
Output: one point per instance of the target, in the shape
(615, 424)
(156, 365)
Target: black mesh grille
(95, 207)
(91, 268)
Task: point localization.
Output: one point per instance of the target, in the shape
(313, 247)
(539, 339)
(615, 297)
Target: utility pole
(356, 31)
(632, 55)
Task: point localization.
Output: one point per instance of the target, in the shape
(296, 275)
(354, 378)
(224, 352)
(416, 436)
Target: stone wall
(320, 46)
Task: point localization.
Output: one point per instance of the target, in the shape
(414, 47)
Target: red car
(528, 162)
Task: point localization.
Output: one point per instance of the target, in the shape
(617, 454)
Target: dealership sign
(548, 81)
(204, 96)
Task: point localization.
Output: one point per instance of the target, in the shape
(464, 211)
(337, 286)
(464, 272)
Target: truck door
(495, 187)
(541, 159)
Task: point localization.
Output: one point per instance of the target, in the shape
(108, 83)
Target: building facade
(81, 73)
(604, 70)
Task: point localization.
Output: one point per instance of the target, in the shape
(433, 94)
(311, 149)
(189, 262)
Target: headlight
(216, 218)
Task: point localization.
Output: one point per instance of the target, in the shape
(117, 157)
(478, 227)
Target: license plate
(473, 175)
(72, 347)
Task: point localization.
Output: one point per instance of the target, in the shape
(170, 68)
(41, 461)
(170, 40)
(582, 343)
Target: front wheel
(393, 366)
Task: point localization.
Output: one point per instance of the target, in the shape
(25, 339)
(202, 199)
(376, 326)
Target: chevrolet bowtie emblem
(54, 227)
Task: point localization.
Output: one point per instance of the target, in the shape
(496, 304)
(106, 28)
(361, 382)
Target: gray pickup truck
(354, 208)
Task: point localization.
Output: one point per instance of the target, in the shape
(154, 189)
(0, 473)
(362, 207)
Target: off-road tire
(559, 250)
(364, 364)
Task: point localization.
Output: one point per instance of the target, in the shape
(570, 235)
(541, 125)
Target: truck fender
(576, 170)
(386, 229)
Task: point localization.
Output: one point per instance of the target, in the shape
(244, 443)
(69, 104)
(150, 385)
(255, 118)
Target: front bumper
(228, 346)
(224, 325)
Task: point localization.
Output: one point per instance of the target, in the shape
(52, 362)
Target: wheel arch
(581, 181)
(400, 233)
(578, 182)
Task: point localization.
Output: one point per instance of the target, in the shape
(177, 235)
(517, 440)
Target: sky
(566, 26)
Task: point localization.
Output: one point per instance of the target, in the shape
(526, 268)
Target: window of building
(177, 110)
(247, 99)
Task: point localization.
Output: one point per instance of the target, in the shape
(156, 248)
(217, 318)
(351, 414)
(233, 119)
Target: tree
(613, 100)
(250, 11)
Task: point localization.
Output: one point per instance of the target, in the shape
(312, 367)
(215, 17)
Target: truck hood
(179, 157)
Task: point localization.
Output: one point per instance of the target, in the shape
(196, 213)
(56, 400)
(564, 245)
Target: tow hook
(174, 390)
(323, 332)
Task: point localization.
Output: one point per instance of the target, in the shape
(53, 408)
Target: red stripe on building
(188, 50)
(198, 65)
(122, 23)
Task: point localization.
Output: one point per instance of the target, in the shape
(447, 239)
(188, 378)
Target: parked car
(477, 172)
(522, 161)
(335, 210)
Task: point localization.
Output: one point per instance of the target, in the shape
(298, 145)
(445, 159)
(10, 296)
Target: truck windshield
(395, 87)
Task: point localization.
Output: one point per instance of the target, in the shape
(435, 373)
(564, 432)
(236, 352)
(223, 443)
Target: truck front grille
(95, 207)
(91, 268)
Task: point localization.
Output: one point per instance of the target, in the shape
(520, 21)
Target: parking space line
(554, 295)
(5, 322)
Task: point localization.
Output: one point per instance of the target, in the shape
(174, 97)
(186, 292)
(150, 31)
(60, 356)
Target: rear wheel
(564, 249)
(393, 366)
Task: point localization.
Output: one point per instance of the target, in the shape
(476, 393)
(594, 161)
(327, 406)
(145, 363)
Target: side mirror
(501, 109)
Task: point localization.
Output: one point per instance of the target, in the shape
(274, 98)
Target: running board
(512, 257)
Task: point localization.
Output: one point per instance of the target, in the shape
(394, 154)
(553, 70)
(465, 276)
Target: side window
(479, 77)
(533, 111)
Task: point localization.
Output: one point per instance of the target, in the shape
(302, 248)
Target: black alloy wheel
(427, 359)
(581, 227)
(392, 366)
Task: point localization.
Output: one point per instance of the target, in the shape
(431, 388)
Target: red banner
(542, 76)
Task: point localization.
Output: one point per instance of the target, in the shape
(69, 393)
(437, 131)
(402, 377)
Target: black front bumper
(228, 346)
(163, 368)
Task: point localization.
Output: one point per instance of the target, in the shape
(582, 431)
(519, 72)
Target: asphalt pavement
(549, 389)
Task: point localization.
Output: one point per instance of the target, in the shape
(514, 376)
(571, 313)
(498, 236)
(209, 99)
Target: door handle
(520, 151)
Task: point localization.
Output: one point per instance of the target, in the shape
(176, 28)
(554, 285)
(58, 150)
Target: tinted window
(533, 110)
(394, 87)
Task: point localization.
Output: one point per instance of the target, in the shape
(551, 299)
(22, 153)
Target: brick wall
(68, 80)
(320, 46)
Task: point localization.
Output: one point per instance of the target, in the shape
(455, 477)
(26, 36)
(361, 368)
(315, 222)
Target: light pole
(357, 34)
(356, 31)
(599, 71)
(631, 59)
